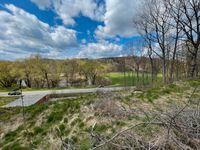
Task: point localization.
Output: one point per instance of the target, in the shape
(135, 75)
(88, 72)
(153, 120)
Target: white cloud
(68, 9)
(118, 19)
(100, 49)
(117, 15)
(42, 4)
(22, 34)
(83, 41)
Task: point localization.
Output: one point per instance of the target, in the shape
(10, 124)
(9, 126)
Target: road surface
(32, 97)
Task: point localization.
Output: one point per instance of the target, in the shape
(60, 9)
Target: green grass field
(130, 79)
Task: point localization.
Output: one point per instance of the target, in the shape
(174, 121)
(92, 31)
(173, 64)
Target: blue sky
(66, 28)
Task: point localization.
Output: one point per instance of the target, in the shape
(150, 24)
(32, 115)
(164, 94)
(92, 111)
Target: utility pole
(22, 99)
(124, 69)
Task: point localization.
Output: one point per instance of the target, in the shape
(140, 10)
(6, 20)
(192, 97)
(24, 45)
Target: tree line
(170, 31)
(38, 72)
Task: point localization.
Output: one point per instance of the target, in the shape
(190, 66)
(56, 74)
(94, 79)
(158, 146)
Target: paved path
(28, 100)
(32, 97)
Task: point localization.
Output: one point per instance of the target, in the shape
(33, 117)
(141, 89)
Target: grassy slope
(74, 118)
(7, 99)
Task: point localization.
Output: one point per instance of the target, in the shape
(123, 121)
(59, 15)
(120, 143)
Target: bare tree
(189, 23)
(154, 23)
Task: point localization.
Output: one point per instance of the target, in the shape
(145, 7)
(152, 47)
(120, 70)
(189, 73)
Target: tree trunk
(164, 71)
(132, 73)
(93, 79)
(193, 65)
(152, 70)
(143, 77)
(47, 79)
(137, 71)
(173, 62)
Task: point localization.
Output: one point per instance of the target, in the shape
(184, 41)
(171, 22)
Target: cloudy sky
(66, 28)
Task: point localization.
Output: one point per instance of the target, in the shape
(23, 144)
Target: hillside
(106, 120)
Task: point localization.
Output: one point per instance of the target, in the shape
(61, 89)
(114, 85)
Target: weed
(38, 130)
(102, 127)
(67, 132)
(35, 110)
(62, 128)
(194, 83)
(85, 144)
(10, 136)
(147, 130)
(65, 120)
(75, 121)
(15, 146)
(120, 123)
(81, 125)
(54, 117)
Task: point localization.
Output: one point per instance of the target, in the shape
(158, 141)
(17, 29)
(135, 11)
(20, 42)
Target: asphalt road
(32, 97)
